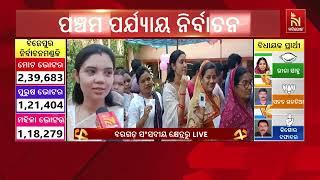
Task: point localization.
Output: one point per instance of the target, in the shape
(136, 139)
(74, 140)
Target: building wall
(244, 47)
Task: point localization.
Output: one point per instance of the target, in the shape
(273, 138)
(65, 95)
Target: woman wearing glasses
(145, 110)
(238, 112)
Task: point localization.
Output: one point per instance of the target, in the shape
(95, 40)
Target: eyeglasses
(246, 84)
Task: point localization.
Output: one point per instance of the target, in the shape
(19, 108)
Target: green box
(287, 70)
(262, 54)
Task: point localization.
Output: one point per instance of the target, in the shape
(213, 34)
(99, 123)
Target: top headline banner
(147, 23)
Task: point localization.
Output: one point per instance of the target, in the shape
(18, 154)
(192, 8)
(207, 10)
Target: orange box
(287, 101)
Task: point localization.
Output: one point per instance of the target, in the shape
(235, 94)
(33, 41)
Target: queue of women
(131, 95)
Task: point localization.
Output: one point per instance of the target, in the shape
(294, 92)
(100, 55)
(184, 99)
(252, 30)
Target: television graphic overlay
(92, 53)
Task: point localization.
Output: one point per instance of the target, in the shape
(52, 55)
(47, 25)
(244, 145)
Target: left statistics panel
(40, 89)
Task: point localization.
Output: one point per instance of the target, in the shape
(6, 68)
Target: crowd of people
(212, 96)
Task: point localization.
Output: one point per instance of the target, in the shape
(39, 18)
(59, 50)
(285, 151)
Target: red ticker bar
(147, 23)
(160, 134)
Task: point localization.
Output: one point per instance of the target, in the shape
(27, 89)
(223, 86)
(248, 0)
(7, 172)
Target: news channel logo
(295, 20)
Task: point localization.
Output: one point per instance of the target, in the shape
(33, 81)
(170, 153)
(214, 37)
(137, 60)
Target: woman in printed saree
(204, 114)
(237, 112)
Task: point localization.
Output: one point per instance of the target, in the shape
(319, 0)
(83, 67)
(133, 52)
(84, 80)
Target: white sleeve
(170, 104)
(133, 113)
(160, 99)
(216, 121)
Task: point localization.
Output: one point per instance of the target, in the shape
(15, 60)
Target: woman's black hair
(121, 71)
(195, 68)
(140, 71)
(219, 68)
(209, 65)
(260, 59)
(118, 72)
(233, 60)
(124, 71)
(135, 64)
(225, 70)
(82, 56)
(239, 72)
(173, 59)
